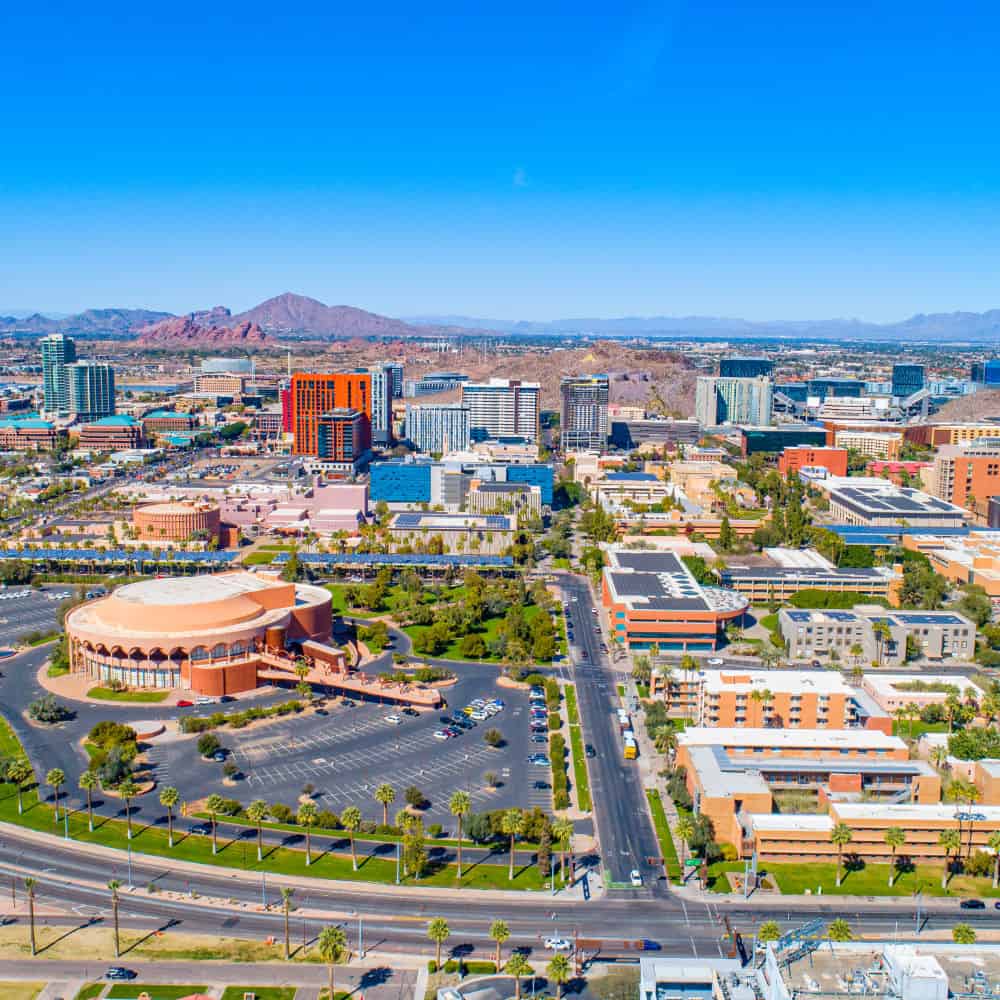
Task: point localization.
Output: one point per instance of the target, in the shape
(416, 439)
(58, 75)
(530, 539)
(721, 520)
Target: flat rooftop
(419, 521)
(792, 681)
(782, 739)
(193, 589)
(912, 812)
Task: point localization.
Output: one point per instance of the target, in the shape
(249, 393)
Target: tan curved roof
(177, 507)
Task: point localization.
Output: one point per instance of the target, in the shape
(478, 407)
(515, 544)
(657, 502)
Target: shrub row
(560, 779)
(463, 968)
(237, 720)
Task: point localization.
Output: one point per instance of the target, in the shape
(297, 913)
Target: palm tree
(257, 813)
(895, 837)
(963, 934)
(20, 771)
(499, 932)
(517, 966)
(439, 932)
(839, 930)
(512, 824)
(168, 799)
(307, 820)
(385, 795)
(55, 780)
(768, 931)
(460, 804)
(882, 634)
(286, 907)
(350, 818)
(558, 971)
(128, 790)
(87, 783)
(994, 844)
(685, 831)
(950, 840)
(939, 757)
(562, 830)
(114, 886)
(952, 704)
(840, 836)
(214, 804)
(29, 885)
(332, 945)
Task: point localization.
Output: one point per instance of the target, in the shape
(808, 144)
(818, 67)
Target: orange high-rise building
(834, 460)
(314, 394)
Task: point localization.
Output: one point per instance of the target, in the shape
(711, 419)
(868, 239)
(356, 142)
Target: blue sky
(537, 161)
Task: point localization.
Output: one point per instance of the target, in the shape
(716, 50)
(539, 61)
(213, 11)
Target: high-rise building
(438, 429)
(57, 352)
(340, 436)
(745, 367)
(733, 401)
(91, 389)
(502, 408)
(584, 415)
(907, 379)
(986, 372)
(396, 368)
(383, 381)
(967, 476)
(314, 394)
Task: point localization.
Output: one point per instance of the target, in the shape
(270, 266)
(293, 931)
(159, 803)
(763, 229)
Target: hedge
(237, 720)
(560, 779)
(473, 968)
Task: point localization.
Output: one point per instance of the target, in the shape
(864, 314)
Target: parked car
(557, 944)
(393, 720)
(972, 904)
(119, 972)
(184, 703)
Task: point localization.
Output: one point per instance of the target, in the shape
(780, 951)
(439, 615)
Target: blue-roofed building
(23, 433)
(115, 433)
(400, 482)
(431, 531)
(534, 474)
(935, 635)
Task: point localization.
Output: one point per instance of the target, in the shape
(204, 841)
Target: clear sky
(514, 160)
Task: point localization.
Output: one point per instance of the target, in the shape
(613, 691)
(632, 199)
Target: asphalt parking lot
(32, 612)
(347, 753)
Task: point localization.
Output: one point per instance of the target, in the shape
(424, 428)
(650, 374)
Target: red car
(184, 703)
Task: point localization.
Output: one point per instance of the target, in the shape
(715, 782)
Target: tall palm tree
(993, 841)
(952, 704)
(55, 779)
(439, 932)
(839, 930)
(460, 804)
(562, 830)
(950, 840)
(840, 836)
(20, 771)
(128, 790)
(306, 818)
(29, 885)
(257, 813)
(685, 831)
(286, 907)
(512, 825)
(114, 885)
(517, 966)
(168, 799)
(332, 946)
(882, 634)
(499, 932)
(214, 804)
(769, 930)
(895, 837)
(87, 783)
(558, 970)
(385, 795)
(963, 934)
(350, 819)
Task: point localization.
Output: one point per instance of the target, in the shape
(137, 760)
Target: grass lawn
(716, 880)
(873, 880)
(259, 558)
(128, 991)
(107, 694)
(580, 778)
(488, 630)
(338, 592)
(664, 836)
(621, 690)
(43, 639)
(54, 671)
(90, 992)
(20, 991)
(10, 745)
(571, 711)
(916, 729)
(561, 562)
(643, 690)
(260, 992)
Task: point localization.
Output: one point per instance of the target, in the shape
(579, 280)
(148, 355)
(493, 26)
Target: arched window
(219, 650)
(199, 653)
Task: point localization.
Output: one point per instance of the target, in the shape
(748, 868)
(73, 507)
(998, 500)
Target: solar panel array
(119, 555)
(395, 559)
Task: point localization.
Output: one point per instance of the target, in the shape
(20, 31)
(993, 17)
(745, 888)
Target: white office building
(502, 408)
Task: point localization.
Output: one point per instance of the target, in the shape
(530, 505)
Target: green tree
(562, 830)
(685, 831)
(20, 772)
(439, 932)
(286, 907)
(499, 932)
(114, 885)
(350, 818)
(951, 841)
(768, 931)
(727, 538)
(512, 825)
(459, 806)
(385, 795)
(55, 779)
(168, 799)
(839, 930)
(332, 945)
(894, 837)
(214, 804)
(963, 934)
(558, 971)
(257, 813)
(994, 845)
(307, 816)
(128, 790)
(29, 887)
(87, 783)
(517, 966)
(840, 837)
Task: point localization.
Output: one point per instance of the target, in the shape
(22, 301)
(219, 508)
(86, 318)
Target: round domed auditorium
(213, 635)
(176, 521)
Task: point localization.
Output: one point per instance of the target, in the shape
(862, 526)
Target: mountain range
(298, 316)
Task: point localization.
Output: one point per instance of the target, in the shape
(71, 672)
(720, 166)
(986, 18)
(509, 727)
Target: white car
(716, 661)
(479, 715)
(635, 878)
(440, 734)
(557, 944)
(394, 720)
